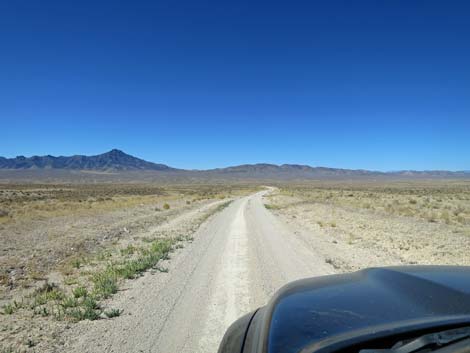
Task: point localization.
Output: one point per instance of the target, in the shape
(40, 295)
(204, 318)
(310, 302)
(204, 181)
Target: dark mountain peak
(112, 160)
(117, 160)
(116, 152)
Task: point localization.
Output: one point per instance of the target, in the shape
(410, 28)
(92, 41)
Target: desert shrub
(105, 283)
(461, 219)
(166, 206)
(80, 292)
(129, 250)
(48, 292)
(76, 263)
(90, 303)
(158, 251)
(445, 216)
(8, 309)
(83, 313)
(69, 302)
(112, 313)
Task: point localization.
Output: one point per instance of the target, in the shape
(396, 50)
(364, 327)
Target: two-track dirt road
(237, 261)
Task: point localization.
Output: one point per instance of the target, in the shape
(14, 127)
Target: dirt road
(236, 262)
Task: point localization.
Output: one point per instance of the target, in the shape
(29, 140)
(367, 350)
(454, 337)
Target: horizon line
(116, 150)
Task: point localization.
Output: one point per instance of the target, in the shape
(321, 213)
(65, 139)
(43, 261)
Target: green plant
(104, 255)
(79, 314)
(166, 206)
(88, 309)
(46, 294)
(105, 283)
(42, 311)
(8, 309)
(112, 313)
(76, 263)
(129, 250)
(70, 281)
(90, 303)
(90, 314)
(159, 250)
(69, 302)
(80, 292)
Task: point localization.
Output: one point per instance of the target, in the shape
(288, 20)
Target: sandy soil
(236, 262)
(237, 258)
(29, 243)
(352, 238)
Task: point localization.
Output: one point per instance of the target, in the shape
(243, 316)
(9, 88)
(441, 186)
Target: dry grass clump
(76, 302)
(24, 202)
(438, 201)
(85, 276)
(28, 201)
(99, 240)
(79, 297)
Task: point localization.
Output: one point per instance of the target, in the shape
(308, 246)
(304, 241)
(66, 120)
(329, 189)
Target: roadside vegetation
(23, 202)
(87, 240)
(437, 201)
(362, 224)
(82, 301)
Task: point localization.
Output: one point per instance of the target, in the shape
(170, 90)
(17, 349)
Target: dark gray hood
(339, 312)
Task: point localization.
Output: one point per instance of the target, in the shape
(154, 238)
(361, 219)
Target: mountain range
(116, 161)
(112, 160)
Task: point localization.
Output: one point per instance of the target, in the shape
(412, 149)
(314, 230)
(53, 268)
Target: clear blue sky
(380, 85)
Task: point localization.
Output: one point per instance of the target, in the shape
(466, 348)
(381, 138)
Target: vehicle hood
(328, 313)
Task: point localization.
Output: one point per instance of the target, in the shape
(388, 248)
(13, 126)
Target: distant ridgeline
(112, 160)
(116, 160)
